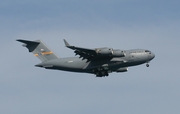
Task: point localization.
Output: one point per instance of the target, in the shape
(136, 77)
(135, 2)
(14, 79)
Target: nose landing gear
(147, 64)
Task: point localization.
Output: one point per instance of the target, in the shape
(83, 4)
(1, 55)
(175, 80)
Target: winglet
(66, 43)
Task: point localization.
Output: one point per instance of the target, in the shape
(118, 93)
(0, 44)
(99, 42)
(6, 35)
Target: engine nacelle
(118, 53)
(104, 51)
(110, 52)
(122, 70)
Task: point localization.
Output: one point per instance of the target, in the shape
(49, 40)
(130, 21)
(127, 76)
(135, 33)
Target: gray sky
(123, 24)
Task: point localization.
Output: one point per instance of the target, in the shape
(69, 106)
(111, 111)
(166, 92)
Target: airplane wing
(98, 53)
(84, 53)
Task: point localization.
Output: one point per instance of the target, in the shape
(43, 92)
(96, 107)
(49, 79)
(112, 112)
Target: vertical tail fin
(39, 49)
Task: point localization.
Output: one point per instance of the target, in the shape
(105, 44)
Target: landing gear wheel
(147, 65)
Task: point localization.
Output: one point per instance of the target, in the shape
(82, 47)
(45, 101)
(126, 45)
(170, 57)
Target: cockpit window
(147, 51)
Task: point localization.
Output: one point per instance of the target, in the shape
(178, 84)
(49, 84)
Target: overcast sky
(120, 24)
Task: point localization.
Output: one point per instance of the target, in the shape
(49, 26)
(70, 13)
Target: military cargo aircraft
(98, 61)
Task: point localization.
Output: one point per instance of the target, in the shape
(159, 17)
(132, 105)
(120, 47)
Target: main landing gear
(101, 72)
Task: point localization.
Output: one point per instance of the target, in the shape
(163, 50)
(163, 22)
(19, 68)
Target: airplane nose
(152, 56)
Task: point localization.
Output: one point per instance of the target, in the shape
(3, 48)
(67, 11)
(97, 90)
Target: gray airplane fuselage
(76, 64)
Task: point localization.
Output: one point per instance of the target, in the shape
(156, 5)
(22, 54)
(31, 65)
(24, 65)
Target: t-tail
(39, 49)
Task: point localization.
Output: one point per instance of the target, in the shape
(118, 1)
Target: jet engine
(104, 51)
(110, 52)
(118, 53)
(122, 70)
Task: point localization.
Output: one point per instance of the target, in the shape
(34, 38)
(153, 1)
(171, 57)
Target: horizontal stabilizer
(31, 45)
(28, 42)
